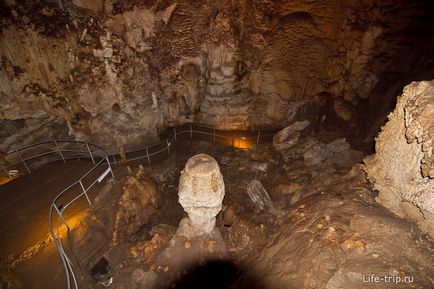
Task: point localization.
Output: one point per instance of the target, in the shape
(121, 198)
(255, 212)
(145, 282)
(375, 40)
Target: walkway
(24, 205)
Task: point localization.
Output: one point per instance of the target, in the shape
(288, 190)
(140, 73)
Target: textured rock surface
(402, 167)
(259, 196)
(201, 193)
(119, 72)
(295, 143)
(136, 205)
(329, 242)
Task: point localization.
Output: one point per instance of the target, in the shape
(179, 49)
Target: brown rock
(136, 205)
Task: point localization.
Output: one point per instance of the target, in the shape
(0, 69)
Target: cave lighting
(244, 143)
(6, 179)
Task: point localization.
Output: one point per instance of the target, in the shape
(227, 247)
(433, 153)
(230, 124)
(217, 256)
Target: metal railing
(33, 156)
(164, 148)
(60, 209)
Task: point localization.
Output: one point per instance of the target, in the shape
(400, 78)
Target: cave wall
(402, 168)
(118, 72)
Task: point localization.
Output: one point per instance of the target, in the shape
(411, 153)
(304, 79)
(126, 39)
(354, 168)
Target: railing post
(174, 132)
(7, 172)
(110, 166)
(60, 152)
(168, 147)
(85, 193)
(60, 214)
(21, 158)
(259, 134)
(114, 160)
(90, 152)
(213, 136)
(147, 155)
(191, 131)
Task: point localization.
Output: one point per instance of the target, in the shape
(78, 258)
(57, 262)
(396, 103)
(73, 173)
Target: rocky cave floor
(320, 228)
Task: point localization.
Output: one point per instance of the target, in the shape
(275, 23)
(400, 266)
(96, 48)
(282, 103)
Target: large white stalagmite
(201, 193)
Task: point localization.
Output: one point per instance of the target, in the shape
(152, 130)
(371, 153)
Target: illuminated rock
(201, 192)
(402, 169)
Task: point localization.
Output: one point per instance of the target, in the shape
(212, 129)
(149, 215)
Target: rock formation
(402, 169)
(324, 244)
(201, 193)
(197, 241)
(119, 72)
(296, 143)
(136, 205)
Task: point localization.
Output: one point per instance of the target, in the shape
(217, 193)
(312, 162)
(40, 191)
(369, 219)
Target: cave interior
(217, 144)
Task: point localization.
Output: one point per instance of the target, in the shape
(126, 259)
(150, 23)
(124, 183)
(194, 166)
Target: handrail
(192, 129)
(22, 157)
(249, 138)
(60, 209)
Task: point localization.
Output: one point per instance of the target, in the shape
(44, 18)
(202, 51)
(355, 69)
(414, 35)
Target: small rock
(187, 245)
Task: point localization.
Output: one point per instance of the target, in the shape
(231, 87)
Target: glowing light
(13, 174)
(4, 180)
(72, 223)
(244, 143)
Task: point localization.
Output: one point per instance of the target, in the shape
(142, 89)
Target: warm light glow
(72, 223)
(5, 179)
(243, 143)
(41, 242)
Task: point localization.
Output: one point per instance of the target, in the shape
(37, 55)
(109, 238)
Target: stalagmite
(201, 192)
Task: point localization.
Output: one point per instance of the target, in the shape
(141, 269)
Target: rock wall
(402, 169)
(119, 72)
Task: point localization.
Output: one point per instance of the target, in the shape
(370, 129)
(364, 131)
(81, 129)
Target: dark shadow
(216, 275)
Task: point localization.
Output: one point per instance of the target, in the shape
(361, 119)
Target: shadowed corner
(216, 274)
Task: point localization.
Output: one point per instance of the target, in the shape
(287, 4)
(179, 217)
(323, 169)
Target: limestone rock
(201, 192)
(140, 66)
(136, 205)
(141, 279)
(292, 145)
(259, 196)
(93, 5)
(401, 168)
(319, 152)
(289, 136)
(324, 244)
